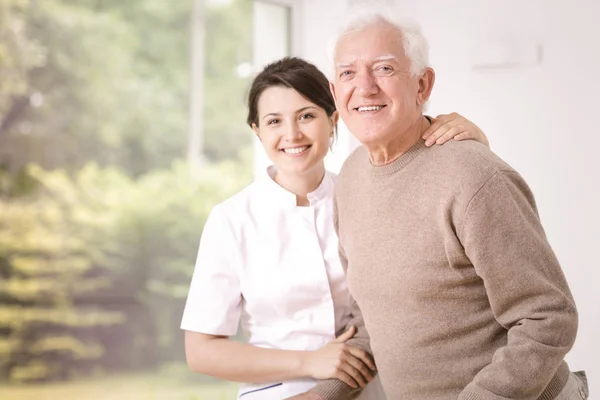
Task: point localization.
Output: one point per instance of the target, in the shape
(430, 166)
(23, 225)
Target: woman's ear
(256, 131)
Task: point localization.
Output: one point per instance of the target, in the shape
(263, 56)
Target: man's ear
(256, 131)
(335, 117)
(332, 89)
(426, 82)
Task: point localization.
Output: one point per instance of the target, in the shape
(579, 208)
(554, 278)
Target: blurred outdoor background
(122, 123)
(104, 187)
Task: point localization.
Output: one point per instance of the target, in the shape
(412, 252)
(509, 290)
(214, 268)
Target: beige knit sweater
(460, 292)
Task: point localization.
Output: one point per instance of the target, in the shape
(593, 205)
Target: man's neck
(389, 152)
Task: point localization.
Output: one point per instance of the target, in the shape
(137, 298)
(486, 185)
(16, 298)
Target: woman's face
(295, 132)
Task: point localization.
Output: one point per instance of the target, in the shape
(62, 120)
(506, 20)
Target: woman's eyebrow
(304, 109)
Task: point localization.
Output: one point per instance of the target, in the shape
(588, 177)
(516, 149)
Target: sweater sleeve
(334, 389)
(528, 294)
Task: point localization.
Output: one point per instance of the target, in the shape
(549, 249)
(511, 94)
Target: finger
(463, 136)
(346, 335)
(450, 117)
(354, 374)
(361, 367)
(346, 378)
(450, 133)
(362, 356)
(435, 125)
(437, 134)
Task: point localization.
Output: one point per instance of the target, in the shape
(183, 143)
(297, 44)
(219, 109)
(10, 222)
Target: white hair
(367, 14)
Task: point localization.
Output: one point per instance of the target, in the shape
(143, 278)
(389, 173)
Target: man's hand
(306, 396)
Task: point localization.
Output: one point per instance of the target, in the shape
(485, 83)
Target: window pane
(271, 41)
(100, 213)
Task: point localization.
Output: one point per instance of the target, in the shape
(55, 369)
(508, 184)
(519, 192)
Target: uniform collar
(276, 194)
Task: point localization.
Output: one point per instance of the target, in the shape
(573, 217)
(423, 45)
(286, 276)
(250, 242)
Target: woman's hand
(338, 360)
(453, 126)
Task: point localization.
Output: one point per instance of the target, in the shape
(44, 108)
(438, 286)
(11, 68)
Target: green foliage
(226, 92)
(108, 81)
(95, 266)
(17, 53)
(147, 385)
(99, 217)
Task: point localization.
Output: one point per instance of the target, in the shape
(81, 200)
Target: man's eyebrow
(387, 57)
(343, 65)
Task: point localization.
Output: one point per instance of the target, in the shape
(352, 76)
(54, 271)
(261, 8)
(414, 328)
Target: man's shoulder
(462, 168)
(468, 157)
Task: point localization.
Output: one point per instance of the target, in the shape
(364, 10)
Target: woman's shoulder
(238, 202)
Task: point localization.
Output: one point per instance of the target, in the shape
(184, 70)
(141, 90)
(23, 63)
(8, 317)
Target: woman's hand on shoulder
(453, 126)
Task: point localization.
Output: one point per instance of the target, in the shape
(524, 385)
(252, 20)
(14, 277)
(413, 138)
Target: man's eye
(345, 73)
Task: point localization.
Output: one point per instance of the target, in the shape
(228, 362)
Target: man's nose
(366, 84)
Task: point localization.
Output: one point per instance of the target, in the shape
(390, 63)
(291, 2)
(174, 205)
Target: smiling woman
(268, 256)
(292, 113)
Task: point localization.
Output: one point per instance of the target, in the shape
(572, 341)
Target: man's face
(375, 92)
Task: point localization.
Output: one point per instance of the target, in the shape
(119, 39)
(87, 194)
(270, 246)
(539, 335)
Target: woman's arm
(220, 357)
(453, 126)
(214, 306)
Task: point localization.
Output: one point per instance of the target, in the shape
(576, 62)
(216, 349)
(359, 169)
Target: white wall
(270, 41)
(317, 28)
(540, 116)
(311, 28)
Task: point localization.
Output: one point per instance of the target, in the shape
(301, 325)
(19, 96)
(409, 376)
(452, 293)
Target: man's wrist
(315, 395)
(310, 395)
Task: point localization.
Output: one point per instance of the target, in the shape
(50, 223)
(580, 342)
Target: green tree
(95, 268)
(99, 217)
(108, 81)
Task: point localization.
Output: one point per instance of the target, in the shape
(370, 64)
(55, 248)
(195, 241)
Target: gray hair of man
(367, 14)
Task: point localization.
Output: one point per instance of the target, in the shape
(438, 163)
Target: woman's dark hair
(294, 73)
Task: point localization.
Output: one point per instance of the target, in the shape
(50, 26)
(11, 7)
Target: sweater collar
(398, 164)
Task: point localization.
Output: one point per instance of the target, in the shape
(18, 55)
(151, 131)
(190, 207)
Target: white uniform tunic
(273, 266)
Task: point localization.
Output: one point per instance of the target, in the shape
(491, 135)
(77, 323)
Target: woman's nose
(293, 131)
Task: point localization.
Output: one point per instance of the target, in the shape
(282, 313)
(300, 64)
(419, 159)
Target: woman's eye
(306, 116)
(272, 121)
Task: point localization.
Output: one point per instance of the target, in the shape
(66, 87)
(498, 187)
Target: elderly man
(445, 254)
